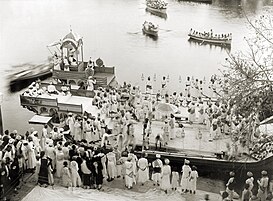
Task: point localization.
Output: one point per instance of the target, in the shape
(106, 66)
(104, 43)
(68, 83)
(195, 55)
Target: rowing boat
(211, 39)
(156, 6)
(150, 29)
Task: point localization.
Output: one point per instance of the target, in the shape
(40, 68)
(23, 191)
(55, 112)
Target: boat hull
(211, 166)
(211, 40)
(150, 33)
(155, 10)
(159, 14)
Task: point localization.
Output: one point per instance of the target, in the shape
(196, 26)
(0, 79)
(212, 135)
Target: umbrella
(166, 108)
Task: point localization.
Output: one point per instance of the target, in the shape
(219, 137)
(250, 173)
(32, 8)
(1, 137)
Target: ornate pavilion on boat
(71, 76)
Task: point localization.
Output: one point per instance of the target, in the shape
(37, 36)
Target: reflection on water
(195, 43)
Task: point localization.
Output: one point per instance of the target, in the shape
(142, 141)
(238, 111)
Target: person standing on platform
(263, 185)
(172, 127)
(188, 86)
(70, 121)
(163, 86)
(230, 185)
(193, 180)
(143, 171)
(77, 130)
(191, 111)
(43, 137)
(90, 83)
(157, 167)
(166, 133)
(166, 176)
(88, 130)
(186, 170)
(149, 88)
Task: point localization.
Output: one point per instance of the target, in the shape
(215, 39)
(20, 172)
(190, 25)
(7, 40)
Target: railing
(30, 101)
(101, 81)
(57, 86)
(65, 107)
(82, 92)
(110, 70)
(60, 74)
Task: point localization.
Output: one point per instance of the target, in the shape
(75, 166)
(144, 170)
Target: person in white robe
(129, 174)
(175, 179)
(31, 154)
(143, 170)
(186, 170)
(193, 180)
(59, 161)
(75, 177)
(90, 83)
(77, 130)
(111, 165)
(166, 176)
(70, 121)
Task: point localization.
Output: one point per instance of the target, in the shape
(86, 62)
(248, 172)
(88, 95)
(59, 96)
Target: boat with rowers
(157, 6)
(210, 37)
(150, 29)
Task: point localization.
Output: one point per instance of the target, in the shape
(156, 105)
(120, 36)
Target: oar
(202, 42)
(167, 30)
(134, 32)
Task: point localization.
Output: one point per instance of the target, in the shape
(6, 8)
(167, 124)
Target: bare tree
(249, 74)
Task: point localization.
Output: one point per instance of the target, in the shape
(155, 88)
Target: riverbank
(117, 191)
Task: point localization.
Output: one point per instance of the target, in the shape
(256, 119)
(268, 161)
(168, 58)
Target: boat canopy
(38, 119)
(71, 40)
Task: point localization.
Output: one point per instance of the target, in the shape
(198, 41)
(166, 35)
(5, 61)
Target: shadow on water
(211, 46)
(154, 38)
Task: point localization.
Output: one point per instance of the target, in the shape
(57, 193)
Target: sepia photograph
(140, 100)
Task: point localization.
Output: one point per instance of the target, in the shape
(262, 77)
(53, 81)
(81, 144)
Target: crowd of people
(70, 162)
(85, 150)
(157, 4)
(211, 35)
(260, 190)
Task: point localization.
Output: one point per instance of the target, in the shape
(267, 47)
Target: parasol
(166, 108)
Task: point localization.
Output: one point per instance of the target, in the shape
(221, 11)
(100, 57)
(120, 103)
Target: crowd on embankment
(83, 151)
